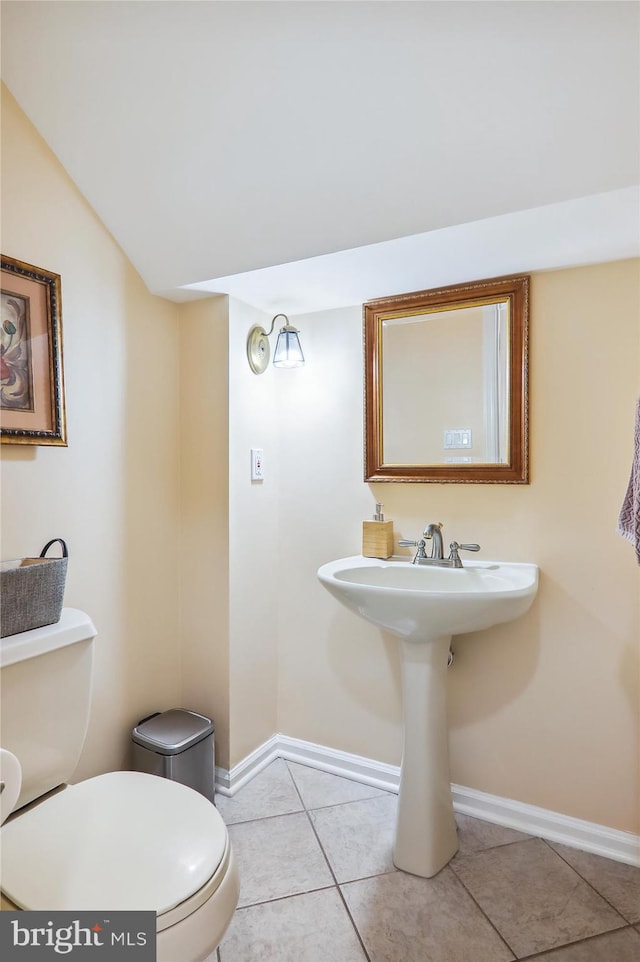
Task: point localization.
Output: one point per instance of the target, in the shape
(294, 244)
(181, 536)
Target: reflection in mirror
(446, 380)
(468, 346)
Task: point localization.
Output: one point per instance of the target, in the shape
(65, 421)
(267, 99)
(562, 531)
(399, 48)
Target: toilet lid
(125, 840)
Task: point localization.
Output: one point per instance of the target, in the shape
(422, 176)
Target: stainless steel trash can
(177, 744)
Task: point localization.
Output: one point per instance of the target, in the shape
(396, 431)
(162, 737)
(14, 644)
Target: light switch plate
(457, 438)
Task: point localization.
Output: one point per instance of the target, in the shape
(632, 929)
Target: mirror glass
(445, 384)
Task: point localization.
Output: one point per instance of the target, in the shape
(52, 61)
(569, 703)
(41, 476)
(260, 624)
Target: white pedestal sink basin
(424, 606)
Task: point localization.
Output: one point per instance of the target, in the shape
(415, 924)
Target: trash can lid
(173, 731)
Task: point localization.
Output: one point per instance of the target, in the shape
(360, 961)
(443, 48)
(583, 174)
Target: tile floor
(318, 885)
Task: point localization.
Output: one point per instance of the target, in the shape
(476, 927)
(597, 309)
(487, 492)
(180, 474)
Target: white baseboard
(553, 826)
(229, 782)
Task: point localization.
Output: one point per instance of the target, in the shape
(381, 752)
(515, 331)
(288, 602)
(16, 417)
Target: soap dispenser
(377, 536)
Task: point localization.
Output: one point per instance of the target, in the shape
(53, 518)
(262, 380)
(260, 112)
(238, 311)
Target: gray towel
(629, 520)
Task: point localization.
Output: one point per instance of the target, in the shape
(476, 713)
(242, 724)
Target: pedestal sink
(424, 606)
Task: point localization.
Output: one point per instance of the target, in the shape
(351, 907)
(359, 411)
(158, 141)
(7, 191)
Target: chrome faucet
(433, 532)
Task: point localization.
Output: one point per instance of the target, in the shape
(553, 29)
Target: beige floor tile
(271, 792)
(474, 835)
(307, 928)
(535, 900)
(618, 883)
(357, 837)
(402, 918)
(278, 857)
(320, 789)
(620, 946)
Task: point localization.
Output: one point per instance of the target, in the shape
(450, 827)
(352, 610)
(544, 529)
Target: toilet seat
(122, 841)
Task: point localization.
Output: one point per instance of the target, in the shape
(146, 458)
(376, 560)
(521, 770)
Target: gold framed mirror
(446, 380)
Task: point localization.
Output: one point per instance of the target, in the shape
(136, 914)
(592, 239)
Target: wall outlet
(257, 464)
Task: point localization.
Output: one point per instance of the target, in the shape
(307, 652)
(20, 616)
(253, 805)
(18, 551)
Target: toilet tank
(45, 694)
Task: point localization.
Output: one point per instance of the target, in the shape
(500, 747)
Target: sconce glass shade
(288, 352)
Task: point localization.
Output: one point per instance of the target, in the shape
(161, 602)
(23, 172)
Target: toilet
(119, 841)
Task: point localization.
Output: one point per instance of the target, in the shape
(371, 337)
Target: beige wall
(255, 588)
(113, 492)
(544, 710)
(229, 528)
(204, 515)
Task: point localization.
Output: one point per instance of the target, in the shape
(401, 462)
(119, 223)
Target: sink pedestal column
(426, 837)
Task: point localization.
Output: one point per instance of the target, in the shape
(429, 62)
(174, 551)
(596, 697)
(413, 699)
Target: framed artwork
(32, 407)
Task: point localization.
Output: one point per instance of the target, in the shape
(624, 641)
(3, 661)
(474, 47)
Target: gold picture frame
(32, 403)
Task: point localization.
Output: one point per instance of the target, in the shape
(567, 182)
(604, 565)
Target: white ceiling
(306, 155)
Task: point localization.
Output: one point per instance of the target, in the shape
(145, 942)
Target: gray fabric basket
(32, 591)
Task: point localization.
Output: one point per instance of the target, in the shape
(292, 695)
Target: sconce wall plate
(258, 350)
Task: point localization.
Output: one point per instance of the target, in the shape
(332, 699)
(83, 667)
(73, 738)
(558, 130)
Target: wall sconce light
(288, 352)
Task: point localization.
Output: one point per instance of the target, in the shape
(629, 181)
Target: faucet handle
(420, 545)
(454, 557)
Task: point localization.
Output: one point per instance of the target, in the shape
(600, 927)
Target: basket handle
(63, 545)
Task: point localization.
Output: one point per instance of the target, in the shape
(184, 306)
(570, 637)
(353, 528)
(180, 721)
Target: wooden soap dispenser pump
(377, 536)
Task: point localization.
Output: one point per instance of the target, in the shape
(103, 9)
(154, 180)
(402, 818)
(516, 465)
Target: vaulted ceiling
(219, 141)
